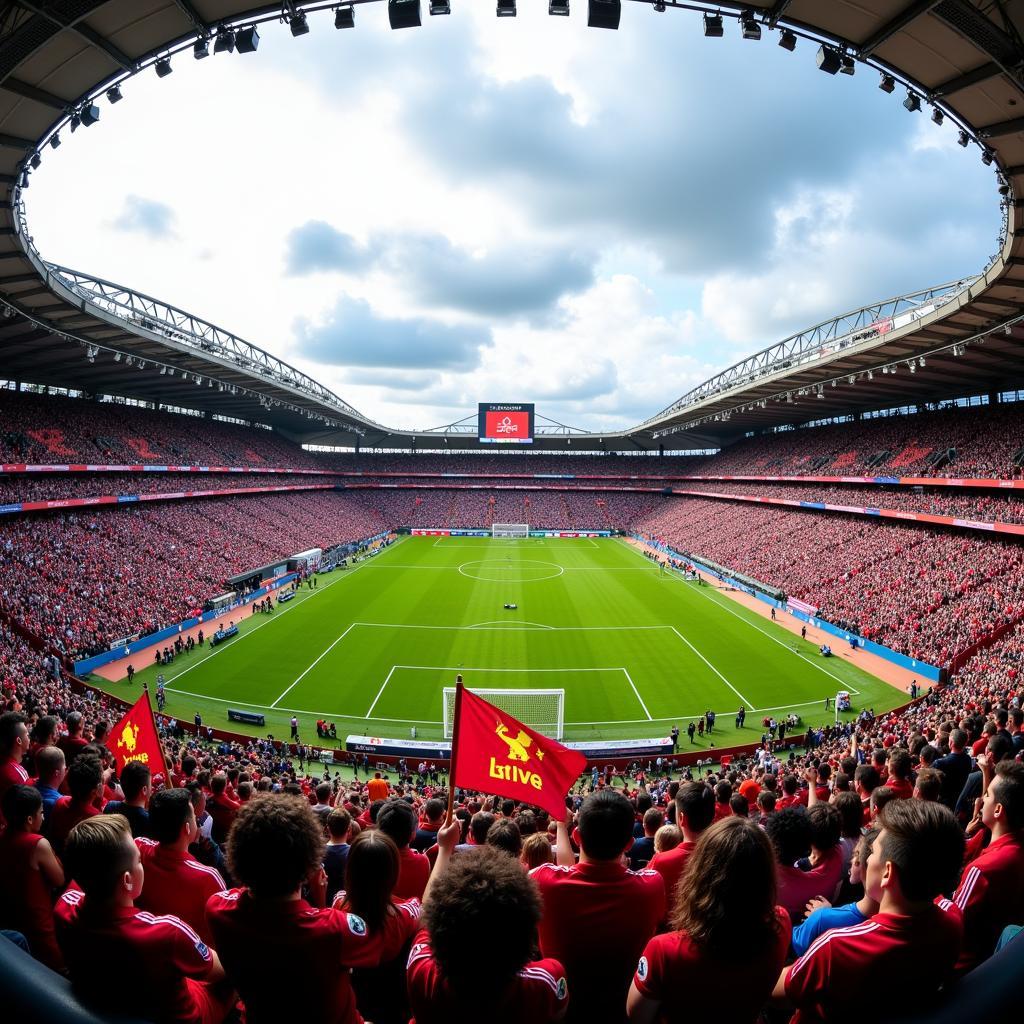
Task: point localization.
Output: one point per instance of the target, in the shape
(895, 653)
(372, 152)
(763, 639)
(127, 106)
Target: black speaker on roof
(247, 39)
(404, 13)
(604, 13)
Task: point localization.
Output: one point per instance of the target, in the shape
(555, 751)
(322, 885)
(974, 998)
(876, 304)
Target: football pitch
(636, 650)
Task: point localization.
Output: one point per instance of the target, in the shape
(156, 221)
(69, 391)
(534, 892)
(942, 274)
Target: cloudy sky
(514, 210)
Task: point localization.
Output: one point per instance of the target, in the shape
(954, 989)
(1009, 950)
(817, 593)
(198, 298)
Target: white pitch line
(313, 665)
(638, 697)
(387, 679)
(522, 671)
(557, 629)
(523, 626)
(746, 702)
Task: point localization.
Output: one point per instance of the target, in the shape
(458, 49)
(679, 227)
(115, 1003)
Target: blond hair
(668, 837)
(98, 851)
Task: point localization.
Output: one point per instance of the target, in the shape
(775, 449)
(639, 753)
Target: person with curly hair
(480, 917)
(275, 848)
(725, 902)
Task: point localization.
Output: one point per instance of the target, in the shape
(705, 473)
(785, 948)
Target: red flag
(494, 753)
(135, 738)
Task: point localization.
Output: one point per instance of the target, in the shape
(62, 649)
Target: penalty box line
(519, 671)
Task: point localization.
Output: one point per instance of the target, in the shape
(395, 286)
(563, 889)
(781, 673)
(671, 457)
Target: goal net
(510, 530)
(543, 710)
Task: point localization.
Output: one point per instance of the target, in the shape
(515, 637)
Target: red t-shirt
(597, 919)
(72, 747)
(991, 896)
(670, 866)
(12, 774)
(26, 901)
(130, 961)
(253, 938)
(903, 789)
(900, 959)
(689, 983)
(398, 927)
(538, 993)
(223, 811)
(177, 884)
(796, 887)
(413, 872)
(66, 814)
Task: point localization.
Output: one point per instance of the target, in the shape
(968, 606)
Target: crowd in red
(928, 594)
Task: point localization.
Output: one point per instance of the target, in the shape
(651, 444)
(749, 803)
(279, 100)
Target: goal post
(543, 710)
(510, 530)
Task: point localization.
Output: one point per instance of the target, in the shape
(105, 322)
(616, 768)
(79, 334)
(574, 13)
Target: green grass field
(634, 649)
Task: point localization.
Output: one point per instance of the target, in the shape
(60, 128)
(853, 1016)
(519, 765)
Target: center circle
(527, 570)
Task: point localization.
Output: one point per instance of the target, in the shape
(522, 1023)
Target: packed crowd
(928, 594)
(81, 581)
(887, 857)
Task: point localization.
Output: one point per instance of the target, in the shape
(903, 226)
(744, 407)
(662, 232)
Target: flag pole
(455, 747)
(159, 741)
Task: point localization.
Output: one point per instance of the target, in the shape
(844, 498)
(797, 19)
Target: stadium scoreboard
(505, 424)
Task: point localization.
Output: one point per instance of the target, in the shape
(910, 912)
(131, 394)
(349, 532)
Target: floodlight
(659, 6)
(90, 114)
(506, 8)
(201, 49)
(299, 24)
(828, 60)
(114, 94)
(440, 7)
(75, 122)
(987, 157)
(24, 179)
(225, 41)
(788, 40)
(558, 8)
(937, 116)
(751, 29)
(117, 357)
(887, 84)
(604, 13)
(345, 17)
(404, 13)
(247, 40)
(847, 65)
(55, 141)
(912, 102)
(713, 26)
(163, 67)
(36, 161)
(963, 138)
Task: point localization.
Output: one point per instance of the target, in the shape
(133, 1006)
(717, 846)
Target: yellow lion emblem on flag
(129, 737)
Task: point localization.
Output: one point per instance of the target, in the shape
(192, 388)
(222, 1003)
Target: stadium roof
(964, 58)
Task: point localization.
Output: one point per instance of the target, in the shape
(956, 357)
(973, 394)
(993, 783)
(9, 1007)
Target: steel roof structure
(961, 60)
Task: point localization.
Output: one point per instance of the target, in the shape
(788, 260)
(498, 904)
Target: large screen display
(505, 424)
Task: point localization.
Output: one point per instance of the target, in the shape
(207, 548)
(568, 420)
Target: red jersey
(689, 982)
(906, 958)
(223, 812)
(537, 994)
(66, 814)
(788, 801)
(156, 961)
(398, 927)
(12, 774)
(670, 866)
(177, 884)
(991, 896)
(796, 887)
(72, 747)
(413, 872)
(903, 789)
(721, 811)
(597, 919)
(26, 901)
(250, 935)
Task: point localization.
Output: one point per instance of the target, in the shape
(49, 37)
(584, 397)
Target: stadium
(698, 636)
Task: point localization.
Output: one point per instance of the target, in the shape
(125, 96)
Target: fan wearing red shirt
(276, 847)
(791, 834)
(221, 807)
(398, 820)
(176, 883)
(85, 784)
(74, 741)
(991, 891)
(598, 915)
(122, 960)
(471, 961)
(14, 744)
(695, 811)
(31, 874)
(908, 950)
(899, 780)
(726, 902)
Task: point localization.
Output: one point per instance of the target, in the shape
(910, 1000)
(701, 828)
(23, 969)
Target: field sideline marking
(732, 611)
(387, 679)
(483, 625)
(301, 598)
(307, 670)
(746, 702)
(512, 624)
